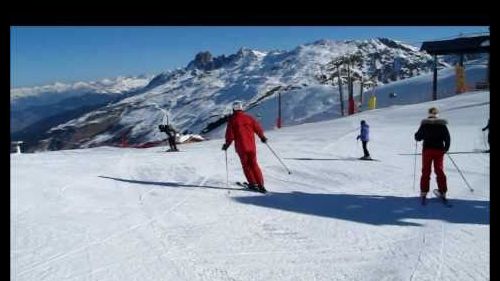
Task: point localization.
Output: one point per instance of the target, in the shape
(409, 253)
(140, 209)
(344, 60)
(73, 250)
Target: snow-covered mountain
(33, 104)
(197, 98)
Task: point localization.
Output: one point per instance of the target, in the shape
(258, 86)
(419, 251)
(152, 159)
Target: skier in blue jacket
(364, 136)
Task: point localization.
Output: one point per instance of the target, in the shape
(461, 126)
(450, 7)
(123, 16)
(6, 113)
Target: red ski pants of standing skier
(251, 168)
(429, 156)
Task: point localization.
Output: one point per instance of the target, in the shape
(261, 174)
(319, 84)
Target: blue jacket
(365, 132)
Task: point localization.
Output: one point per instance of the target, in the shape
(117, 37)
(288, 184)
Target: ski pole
(415, 166)
(278, 158)
(460, 172)
(227, 172)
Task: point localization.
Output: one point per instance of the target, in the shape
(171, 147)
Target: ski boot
(423, 198)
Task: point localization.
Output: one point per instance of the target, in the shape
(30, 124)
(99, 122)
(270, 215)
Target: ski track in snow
(136, 214)
(85, 247)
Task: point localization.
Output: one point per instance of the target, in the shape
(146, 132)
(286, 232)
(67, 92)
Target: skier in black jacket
(436, 137)
(170, 131)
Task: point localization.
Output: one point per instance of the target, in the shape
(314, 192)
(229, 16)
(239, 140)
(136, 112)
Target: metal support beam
(434, 79)
(488, 71)
(279, 110)
(340, 92)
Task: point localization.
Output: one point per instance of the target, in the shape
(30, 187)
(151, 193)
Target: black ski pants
(171, 142)
(365, 150)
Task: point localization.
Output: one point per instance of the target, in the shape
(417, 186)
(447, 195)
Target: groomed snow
(143, 214)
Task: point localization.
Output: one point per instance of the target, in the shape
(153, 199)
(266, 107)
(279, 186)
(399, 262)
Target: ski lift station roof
(478, 44)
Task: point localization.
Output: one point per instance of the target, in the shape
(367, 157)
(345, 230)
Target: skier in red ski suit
(436, 137)
(241, 128)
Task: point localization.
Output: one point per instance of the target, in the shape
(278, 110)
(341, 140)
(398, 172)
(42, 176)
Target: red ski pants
(251, 168)
(430, 155)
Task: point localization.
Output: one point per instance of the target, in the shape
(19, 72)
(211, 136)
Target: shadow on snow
(169, 184)
(371, 209)
(326, 159)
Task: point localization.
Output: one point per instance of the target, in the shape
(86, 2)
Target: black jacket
(170, 131)
(434, 133)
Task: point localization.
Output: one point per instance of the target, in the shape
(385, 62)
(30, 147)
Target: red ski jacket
(241, 128)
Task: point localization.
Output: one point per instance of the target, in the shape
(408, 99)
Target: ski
(453, 152)
(368, 159)
(246, 186)
(441, 198)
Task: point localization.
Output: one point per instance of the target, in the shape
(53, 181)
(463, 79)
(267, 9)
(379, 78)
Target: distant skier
(241, 128)
(436, 137)
(171, 137)
(365, 137)
(171, 133)
(488, 128)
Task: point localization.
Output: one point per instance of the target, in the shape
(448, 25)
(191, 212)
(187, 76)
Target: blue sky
(43, 55)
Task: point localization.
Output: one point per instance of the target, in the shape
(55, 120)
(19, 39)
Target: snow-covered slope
(317, 103)
(142, 214)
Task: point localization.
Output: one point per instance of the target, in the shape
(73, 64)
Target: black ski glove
(263, 139)
(225, 146)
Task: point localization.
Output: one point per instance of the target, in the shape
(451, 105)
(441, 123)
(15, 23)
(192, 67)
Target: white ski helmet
(237, 105)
